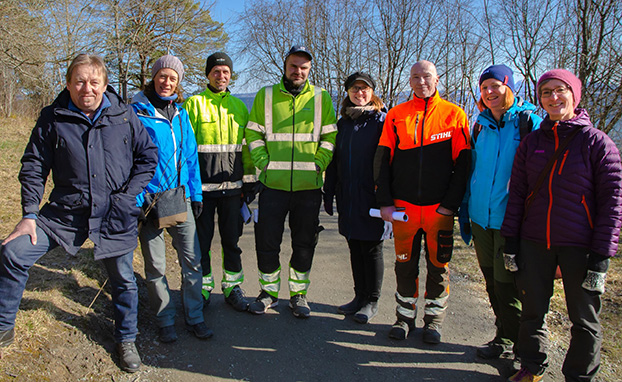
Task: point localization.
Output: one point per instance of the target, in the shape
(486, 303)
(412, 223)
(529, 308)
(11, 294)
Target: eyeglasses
(356, 89)
(560, 91)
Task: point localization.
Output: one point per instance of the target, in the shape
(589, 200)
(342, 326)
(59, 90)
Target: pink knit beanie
(565, 76)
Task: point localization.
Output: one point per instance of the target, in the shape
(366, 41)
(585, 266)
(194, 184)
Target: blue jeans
(186, 243)
(18, 255)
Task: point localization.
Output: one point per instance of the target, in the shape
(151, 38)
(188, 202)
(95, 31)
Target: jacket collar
(421, 102)
(305, 88)
(580, 120)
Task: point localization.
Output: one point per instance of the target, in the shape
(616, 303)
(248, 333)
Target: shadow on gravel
(327, 347)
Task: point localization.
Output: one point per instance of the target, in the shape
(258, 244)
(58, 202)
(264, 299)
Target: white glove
(509, 261)
(594, 281)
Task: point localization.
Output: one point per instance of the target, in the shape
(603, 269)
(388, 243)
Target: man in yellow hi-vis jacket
(227, 175)
(291, 136)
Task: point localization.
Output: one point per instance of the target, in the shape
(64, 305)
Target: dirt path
(328, 346)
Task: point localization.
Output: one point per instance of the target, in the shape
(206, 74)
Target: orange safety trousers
(437, 231)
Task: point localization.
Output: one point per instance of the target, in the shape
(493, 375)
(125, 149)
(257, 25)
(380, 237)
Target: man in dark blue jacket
(100, 157)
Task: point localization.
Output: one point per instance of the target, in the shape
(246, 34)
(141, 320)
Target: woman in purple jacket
(571, 220)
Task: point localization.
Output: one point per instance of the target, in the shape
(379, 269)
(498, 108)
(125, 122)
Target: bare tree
(23, 54)
(461, 54)
(596, 58)
(527, 26)
(142, 31)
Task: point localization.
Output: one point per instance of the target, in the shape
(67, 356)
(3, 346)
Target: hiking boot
(493, 350)
(352, 307)
(400, 330)
(300, 307)
(524, 375)
(128, 357)
(237, 299)
(7, 337)
(200, 330)
(262, 303)
(367, 312)
(167, 334)
(431, 334)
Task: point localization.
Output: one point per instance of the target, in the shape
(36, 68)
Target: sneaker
(167, 334)
(200, 330)
(431, 334)
(128, 357)
(7, 337)
(352, 307)
(400, 330)
(300, 307)
(493, 350)
(237, 299)
(367, 312)
(524, 375)
(262, 303)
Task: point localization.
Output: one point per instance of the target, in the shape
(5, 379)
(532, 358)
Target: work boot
(262, 303)
(400, 330)
(524, 375)
(167, 334)
(128, 357)
(432, 334)
(7, 337)
(200, 330)
(237, 299)
(300, 307)
(367, 312)
(493, 350)
(352, 307)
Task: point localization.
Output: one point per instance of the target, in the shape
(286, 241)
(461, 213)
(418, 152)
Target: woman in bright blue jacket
(169, 127)
(503, 121)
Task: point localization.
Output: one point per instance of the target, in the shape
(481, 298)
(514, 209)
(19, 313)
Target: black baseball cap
(359, 76)
(299, 49)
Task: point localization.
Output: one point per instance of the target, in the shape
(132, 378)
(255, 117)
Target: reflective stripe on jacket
(219, 120)
(291, 139)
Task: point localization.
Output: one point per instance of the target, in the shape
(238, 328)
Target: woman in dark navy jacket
(350, 178)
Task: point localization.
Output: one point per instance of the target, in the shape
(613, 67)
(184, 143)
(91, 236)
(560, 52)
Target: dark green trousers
(500, 284)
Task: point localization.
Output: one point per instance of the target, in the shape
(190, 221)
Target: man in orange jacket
(422, 165)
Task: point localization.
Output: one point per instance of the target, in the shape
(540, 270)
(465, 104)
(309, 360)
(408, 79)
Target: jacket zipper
(291, 179)
(587, 211)
(425, 111)
(416, 125)
(548, 214)
(563, 161)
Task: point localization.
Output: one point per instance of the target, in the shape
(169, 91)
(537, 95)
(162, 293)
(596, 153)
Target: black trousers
(534, 279)
(230, 227)
(303, 208)
(367, 267)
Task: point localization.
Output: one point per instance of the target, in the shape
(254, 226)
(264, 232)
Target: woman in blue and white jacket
(503, 121)
(169, 127)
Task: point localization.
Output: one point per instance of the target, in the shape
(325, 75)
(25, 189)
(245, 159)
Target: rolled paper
(397, 215)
